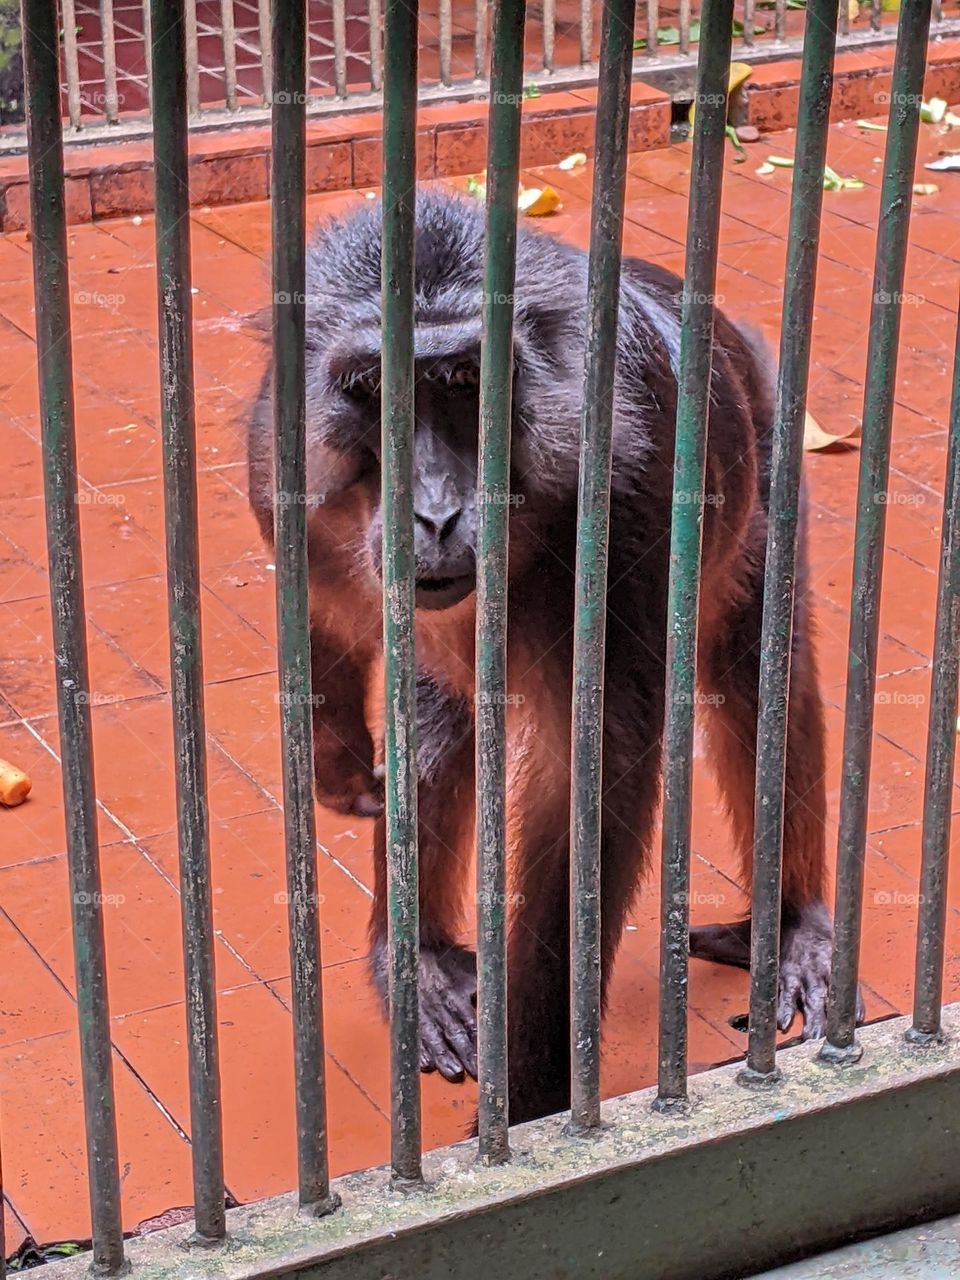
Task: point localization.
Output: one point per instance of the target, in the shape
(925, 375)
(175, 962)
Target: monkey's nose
(439, 524)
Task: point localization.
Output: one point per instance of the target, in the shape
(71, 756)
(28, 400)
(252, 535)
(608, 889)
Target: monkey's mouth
(443, 592)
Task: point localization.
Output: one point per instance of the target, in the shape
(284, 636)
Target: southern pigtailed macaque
(344, 338)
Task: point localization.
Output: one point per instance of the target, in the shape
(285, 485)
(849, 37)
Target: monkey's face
(445, 455)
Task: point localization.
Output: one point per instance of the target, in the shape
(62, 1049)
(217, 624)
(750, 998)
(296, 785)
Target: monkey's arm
(342, 743)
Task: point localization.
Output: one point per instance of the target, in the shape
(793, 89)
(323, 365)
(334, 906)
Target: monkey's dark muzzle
(436, 592)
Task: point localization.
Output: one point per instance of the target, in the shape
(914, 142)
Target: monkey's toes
(448, 1024)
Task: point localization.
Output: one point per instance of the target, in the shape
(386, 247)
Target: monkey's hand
(806, 951)
(346, 780)
(448, 1014)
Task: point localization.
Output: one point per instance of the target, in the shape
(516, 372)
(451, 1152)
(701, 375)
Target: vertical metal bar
(813, 119)
(288, 228)
(71, 62)
(55, 369)
(480, 39)
(653, 22)
(193, 58)
(586, 32)
(780, 20)
(493, 500)
(895, 200)
(403, 911)
(265, 19)
(937, 11)
(147, 46)
(339, 48)
(171, 189)
(593, 522)
(685, 26)
(748, 20)
(228, 27)
(376, 49)
(446, 40)
(876, 14)
(109, 45)
(549, 21)
(941, 750)
(696, 356)
(844, 17)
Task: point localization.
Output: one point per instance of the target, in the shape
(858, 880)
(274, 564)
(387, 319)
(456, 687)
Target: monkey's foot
(806, 950)
(448, 1016)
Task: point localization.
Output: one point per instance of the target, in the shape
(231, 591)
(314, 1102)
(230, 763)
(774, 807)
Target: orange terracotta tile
(256, 1055)
(35, 828)
(32, 1001)
(40, 1100)
(28, 671)
(133, 755)
(14, 1232)
(250, 894)
(141, 920)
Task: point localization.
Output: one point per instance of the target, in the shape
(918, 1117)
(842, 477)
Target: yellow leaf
(535, 202)
(925, 188)
(814, 436)
(853, 10)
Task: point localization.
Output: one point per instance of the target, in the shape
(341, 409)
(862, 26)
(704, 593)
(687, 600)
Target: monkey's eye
(462, 377)
(360, 385)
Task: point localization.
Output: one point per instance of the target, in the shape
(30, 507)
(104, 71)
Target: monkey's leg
(445, 799)
(539, 960)
(342, 744)
(730, 677)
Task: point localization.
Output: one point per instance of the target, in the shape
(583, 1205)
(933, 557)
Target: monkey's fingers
(436, 1055)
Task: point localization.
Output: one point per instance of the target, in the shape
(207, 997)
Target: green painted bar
(288, 186)
(696, 353)
(939, 796)
(593, 523)
(403, 912)
(493, 506)
(61, 503)
(813, 119)
(895, 200)
(172, 196)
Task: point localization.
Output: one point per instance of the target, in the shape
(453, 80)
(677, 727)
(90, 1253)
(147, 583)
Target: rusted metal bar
(288, 236)
(896, 196)
(593, 525)
(493, 505)
(51, 285)
(403, 909)
(696, 356)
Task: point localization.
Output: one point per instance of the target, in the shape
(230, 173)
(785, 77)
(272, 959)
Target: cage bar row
(171, 80)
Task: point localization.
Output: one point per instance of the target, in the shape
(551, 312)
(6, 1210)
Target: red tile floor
(115, 354)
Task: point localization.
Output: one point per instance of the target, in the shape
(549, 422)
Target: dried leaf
(871, 124)
(925, 188)
(573, 162)
(766, 169)
(814, 436)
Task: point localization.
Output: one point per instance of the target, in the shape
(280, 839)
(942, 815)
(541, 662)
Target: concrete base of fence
(745, 1179)
(232, 165)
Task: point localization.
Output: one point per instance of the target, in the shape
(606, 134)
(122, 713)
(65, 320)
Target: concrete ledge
(746, 1179)
(343, 153)
(861, 86)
